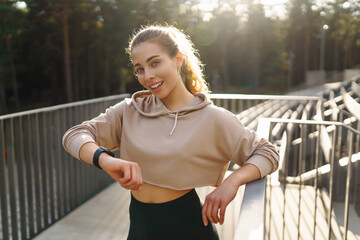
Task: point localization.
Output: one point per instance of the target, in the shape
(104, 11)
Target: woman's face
(156, 70)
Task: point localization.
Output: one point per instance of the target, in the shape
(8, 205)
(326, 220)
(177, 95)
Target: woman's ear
(179, 59)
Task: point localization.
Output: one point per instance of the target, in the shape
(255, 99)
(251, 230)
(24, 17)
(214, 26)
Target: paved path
(105, 217)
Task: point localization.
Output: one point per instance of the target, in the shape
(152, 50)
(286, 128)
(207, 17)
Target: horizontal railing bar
(114, 97)
(260, 97)
(323, 169)
(66, 105)
(312, 122)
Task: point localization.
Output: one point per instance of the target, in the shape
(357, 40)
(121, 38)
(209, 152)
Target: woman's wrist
(235, 179)
(104, 159)
(246, 173)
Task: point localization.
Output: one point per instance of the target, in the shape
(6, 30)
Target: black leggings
(179, 219)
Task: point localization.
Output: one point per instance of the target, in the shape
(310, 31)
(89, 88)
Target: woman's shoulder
(223, 117)
(221, 112)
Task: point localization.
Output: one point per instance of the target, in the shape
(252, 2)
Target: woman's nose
(148, 74)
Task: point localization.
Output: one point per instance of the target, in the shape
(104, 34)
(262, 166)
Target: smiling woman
(172, 139)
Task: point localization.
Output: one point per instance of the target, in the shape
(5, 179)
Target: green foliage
(243, 50)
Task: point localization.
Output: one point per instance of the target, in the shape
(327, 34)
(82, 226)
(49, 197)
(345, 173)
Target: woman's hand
(217, 201)
(128, 174)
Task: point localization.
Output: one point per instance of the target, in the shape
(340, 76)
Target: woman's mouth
(156, 86)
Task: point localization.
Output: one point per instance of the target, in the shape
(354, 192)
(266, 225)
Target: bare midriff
(154, 194)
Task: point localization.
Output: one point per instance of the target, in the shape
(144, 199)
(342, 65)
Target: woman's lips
(156, 86)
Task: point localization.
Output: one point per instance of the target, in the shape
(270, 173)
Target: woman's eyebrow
(147, 60)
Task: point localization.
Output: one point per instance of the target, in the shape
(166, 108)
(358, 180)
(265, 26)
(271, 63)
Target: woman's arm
(217, 201)
(128, 174)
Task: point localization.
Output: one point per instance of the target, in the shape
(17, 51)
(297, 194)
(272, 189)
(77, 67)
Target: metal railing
(238, 103)
(307, 178)
(39, 181)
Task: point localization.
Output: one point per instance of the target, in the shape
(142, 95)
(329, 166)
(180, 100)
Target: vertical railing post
(21, 175)
(43, 154)
(356, 181)
(348, 178)
(49, 138)
(300, 168)
(331, 182)
(29, 175)
(317, 159)
(284, 183)
(12, 175)
(37, 171)
(3, 191)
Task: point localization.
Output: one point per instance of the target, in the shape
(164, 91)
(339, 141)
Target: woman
(171, 139)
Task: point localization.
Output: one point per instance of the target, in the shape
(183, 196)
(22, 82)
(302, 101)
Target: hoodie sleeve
(105, 130)
(256, 151)
(248, 148)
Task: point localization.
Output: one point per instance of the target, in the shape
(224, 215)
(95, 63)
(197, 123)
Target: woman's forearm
(246, 173)
(128, 174)
(87, 151)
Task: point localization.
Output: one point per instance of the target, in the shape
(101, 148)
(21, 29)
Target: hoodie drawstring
(173, 129)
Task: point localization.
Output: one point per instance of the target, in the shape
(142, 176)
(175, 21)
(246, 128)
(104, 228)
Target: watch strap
(97, 154)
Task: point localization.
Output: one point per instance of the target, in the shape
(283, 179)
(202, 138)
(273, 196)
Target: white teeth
(156, 85)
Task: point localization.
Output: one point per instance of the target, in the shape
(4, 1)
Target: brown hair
(173, 41)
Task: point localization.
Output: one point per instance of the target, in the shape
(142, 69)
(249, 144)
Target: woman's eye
(139, 70)
(153, 64)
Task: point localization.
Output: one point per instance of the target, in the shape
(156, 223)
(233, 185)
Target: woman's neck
(177, 99)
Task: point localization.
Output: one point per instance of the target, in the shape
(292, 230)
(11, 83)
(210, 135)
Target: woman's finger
(209, 211)
(203, 213)
(215, 211)
(222, 213)
(139, 179)
(126, 177)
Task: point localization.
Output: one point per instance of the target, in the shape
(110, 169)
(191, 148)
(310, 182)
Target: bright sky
(272, 7)
(21, 4)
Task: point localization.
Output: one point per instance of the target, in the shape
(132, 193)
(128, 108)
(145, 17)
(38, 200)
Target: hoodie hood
(150, 106)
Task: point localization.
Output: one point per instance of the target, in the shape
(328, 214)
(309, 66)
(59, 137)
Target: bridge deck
(106, 217)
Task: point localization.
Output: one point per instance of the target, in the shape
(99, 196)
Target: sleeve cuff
(262, 163)
(76, 143)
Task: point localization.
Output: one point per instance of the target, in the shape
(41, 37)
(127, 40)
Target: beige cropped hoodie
(181, 149)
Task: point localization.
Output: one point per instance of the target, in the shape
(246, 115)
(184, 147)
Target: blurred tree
(10, 28)
(343, 18)
(58, 51)
(67, 61)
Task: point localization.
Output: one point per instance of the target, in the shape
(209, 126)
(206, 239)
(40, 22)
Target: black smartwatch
(97, 154)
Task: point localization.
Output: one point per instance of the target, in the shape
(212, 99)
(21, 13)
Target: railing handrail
(250, 224)
(112, 97)
(261, 97)
(65, 105)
